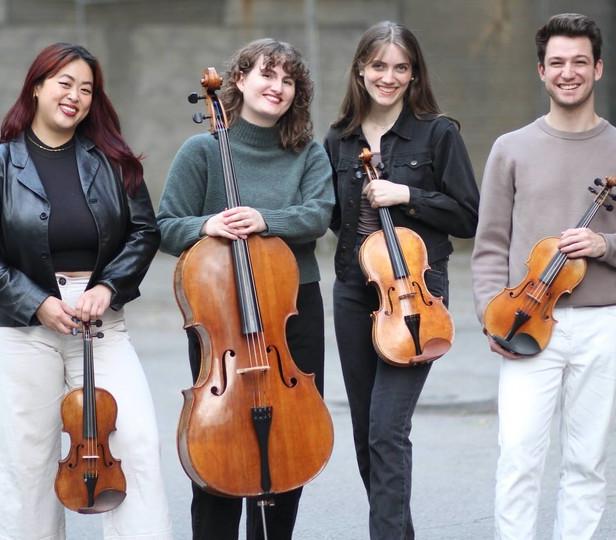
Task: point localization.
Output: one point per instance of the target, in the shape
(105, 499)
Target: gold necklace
(47, 148)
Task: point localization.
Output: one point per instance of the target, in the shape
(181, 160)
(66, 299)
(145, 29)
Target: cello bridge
(242, 371)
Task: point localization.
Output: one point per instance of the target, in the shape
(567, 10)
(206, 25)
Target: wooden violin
(519, 319)
(253, 424)
(89, 479)
(411, 326)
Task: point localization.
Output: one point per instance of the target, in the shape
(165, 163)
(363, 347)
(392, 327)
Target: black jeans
(382, 400)
(218, 518)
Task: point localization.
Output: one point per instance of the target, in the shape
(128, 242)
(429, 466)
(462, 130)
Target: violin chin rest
(106, 500)
(522, 344)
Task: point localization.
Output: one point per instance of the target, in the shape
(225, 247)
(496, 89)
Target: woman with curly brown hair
(284, 180)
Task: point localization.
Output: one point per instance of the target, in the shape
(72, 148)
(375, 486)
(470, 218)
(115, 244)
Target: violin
(411, 326)
(89, 479)
(253, 424)
(519, 319)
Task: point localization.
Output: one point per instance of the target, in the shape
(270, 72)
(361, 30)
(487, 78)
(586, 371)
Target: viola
(520, 318)
(89, 480)
(253, 424)
(411, 326)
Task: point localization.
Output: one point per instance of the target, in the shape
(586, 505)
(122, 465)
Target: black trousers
(218, 518)
(382, 400)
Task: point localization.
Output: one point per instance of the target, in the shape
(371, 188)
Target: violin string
(560, 259)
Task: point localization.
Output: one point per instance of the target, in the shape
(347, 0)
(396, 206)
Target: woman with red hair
(77, 235)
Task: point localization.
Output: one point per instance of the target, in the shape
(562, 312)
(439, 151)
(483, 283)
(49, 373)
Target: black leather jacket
(429, 157)
(127, 232)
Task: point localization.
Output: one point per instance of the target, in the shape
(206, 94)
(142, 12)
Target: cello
(253, 424)
(411, 326)
(89, 480)
(519, 319)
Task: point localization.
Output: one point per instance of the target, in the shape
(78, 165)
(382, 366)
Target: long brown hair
(101, 125)
(295, 126)
(419, 96)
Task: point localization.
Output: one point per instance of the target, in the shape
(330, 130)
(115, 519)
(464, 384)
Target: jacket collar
(403, 127)
(87, 164)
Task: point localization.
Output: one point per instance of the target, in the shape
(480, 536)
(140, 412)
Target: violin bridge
(242, 371)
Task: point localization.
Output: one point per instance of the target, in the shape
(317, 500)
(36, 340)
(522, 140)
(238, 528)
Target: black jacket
(429, 157)
(127, 232)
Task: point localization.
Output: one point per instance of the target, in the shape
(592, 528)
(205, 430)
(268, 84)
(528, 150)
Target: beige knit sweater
(535, 184)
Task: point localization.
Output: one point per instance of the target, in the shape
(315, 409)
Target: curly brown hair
(295, 126)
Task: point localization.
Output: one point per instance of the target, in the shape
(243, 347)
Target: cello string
(254, 340)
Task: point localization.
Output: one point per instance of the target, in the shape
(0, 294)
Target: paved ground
(454, 432)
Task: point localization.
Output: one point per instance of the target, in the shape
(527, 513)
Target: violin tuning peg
(598, 182)
(359, 175)
(98, 323)
(194, 97)
(592, 189)
(380, 166)
(613, 197)
(99, 335)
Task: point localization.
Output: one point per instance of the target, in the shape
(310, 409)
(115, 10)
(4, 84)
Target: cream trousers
(37, 366)
(576, 375)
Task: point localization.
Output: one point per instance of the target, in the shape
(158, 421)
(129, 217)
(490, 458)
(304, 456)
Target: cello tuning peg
(598, 182)
(99, 335)
(199, 117)
(592, 189)
(194, 97)
(359, 174)
(609, 207)
(97, 322)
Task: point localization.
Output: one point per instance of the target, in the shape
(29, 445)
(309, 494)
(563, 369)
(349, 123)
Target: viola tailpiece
(89, 479)
(519, 319)
(411, 326)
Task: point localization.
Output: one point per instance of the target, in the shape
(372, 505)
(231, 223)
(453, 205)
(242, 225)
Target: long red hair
(101, 125)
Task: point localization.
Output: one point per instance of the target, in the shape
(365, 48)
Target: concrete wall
(480, 54)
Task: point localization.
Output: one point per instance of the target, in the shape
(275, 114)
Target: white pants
(36, 366)
(576, 373)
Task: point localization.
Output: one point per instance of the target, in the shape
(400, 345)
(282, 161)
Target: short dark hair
(570, 25)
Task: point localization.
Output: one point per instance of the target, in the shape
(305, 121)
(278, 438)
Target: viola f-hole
(89, 479)
(411, 326)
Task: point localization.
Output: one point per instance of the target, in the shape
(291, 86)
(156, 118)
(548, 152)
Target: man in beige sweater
(535, 185)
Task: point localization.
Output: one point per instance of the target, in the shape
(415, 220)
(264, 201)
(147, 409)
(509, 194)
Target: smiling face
(267, 91)
(569, 72)
(63, 101)
(387, 77)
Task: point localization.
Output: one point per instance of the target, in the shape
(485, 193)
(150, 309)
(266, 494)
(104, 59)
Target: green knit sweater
(292, 191)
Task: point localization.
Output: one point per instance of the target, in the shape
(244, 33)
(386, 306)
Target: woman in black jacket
(77, 235)
(429, 187)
